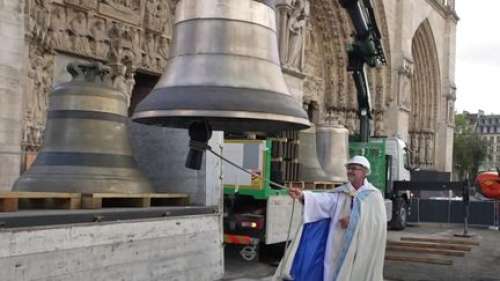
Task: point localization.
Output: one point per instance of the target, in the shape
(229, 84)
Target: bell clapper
(199, 134)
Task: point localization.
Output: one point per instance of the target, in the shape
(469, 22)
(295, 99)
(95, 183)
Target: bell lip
(328, 127)
(296, 122)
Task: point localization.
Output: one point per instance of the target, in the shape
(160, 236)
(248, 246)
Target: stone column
(12, 61)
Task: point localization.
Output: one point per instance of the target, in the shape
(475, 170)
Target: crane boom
(366, 48)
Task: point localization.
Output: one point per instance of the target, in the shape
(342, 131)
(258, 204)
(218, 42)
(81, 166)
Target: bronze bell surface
(332, 147)
(310, 168)
(86, 145)
(223, 70)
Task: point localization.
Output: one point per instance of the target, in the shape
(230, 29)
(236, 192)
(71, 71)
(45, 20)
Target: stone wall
(177, 248)
(11, 90)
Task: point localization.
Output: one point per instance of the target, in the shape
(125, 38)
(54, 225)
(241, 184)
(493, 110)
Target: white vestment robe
(356, 253)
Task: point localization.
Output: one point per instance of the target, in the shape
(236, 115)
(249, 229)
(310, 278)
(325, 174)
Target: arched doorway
(424, 97)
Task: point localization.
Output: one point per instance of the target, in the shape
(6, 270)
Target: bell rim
(221, 114)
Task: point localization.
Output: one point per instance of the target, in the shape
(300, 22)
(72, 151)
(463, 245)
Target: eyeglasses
(354, 168)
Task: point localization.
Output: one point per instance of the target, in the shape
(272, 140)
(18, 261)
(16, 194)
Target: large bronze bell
(333, 145)
(86, 146)
(224, 70)
(310, 168)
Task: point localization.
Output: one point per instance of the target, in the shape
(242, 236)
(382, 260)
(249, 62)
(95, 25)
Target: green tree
(469, 149)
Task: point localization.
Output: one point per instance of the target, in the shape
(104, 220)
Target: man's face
(355, 172)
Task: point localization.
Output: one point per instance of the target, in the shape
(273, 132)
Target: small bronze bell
(310, 168)
(333, 145)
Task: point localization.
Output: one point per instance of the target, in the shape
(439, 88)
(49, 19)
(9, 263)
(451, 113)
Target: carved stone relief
(405, 74)
(78, 32)
(127, 35)
(129, 11)
(39, 83)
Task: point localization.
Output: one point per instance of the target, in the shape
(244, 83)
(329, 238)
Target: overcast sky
(478, 56)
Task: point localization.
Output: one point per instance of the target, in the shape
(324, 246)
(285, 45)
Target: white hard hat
(362, 161)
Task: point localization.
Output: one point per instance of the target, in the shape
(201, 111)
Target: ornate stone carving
(123, 79)
(124, 45)
(429, 150)
(352, 121)
(149, 47)
(39, 84)
(156, 16)
(99, 38)
(39, 19)
(405, 75)
(111, 31)
(88, 4)
(379, 129)
(124, 10)
(406, 67)
(79, 35)
(58, 37)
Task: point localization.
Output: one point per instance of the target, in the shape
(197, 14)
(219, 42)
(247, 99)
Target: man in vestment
(344, 232)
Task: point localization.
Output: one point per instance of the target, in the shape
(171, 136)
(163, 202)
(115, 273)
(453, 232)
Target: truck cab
(389, 159)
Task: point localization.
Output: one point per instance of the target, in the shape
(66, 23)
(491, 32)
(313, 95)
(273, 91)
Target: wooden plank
(135, 195)
(419, 260)
(8, 204)
(13, 201)
(320, 185)
(137, 200)
(425, 251)
(441, 240)
(430, 245)
(17, 194)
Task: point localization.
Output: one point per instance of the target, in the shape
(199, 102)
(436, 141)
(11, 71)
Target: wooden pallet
(315, 185)
(139, 200)
(429, 251)
(442, 241)
(431, 246)
(428, 247)
(427, 260)
(13, 201)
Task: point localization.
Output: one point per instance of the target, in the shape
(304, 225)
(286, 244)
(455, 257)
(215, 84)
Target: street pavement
(481, 264)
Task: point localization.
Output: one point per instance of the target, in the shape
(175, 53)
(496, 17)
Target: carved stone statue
(296, 27)
(421, 149)
(149, 49)
(100, 40)
(58, 37)
(379, 124)
(115, 50)
(123, 80)
(429, 153)
(151, 16)
(166, 15)
(414, 150)
(39, 20)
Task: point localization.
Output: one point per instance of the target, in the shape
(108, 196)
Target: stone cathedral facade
(413, 94)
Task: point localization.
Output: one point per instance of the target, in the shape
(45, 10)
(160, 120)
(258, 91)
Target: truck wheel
(249, 252)
(399, 217)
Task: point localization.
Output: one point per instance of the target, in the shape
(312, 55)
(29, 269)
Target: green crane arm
(366, 48)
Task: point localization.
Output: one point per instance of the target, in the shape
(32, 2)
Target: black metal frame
(35, 218)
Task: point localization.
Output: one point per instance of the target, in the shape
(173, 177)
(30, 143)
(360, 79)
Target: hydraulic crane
(366, 49)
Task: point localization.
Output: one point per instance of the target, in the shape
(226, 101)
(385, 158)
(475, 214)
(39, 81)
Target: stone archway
(325, 67)
(424, 97)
